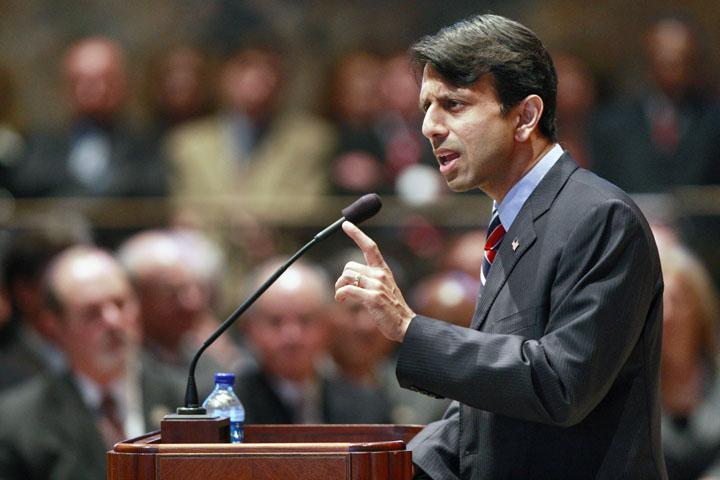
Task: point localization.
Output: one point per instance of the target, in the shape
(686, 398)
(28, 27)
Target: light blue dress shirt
(521, 191)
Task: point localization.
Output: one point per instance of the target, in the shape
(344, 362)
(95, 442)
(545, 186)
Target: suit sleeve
(436, 448)
(604, 284)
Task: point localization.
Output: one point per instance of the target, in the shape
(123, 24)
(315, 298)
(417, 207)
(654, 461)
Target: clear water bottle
(222, 402)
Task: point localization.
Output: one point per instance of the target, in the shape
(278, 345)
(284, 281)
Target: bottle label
(237, 432)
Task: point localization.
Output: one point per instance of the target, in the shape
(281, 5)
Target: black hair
(511, 53)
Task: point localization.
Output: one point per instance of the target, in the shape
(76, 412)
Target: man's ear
(529, 112)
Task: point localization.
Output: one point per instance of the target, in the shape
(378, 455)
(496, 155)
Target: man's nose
(191, 297)
(291, 328)
(112, 315)
(433, 126)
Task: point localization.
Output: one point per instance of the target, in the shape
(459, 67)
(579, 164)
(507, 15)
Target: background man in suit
(288, 330)
(557, 375)
(96, 153)
(59, 426)
(30, 344)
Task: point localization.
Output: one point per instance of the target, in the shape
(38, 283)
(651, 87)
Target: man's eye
(453, 104)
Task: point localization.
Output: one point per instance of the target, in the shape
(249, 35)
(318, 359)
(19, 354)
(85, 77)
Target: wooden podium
(272, 452)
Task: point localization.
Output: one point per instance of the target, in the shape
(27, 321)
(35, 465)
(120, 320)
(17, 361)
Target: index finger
(367, 245)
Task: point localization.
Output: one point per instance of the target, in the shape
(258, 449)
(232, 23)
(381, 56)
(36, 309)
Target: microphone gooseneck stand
(359, 211)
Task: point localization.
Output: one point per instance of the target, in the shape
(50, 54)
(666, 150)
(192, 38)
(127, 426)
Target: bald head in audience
(288, 326)
(96, 76)
(90, 296)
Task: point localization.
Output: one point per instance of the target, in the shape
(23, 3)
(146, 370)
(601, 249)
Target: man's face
(97, 82)
(471, 137)
(99, 318)
(288, 329)
(356, 342)
(672, 51)
(251, 83)
(172, 302)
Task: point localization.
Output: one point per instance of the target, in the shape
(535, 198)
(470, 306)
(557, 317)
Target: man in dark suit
(674, 119)
(96, 154)
(30, 344)
(288, 330)
(60, 425)
(557, 375)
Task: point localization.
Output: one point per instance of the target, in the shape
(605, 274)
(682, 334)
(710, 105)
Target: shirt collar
(521, 191)
(126, 391)
(92, 393)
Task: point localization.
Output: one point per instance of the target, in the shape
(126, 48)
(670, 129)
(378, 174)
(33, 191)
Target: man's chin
(458, 186)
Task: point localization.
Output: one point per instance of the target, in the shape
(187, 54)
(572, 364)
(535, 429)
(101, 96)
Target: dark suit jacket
(136, 167)
(341, 402)
(47, 432)
(622, 147)
(558, 375)
(19, 360)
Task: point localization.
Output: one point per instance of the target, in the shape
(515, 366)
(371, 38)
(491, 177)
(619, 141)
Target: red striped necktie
(109, 423)
(494, 238)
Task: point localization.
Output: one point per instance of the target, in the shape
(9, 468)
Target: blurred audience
(373, 103)
(271, 158)
(354, 106)
(176, 275)
(576, 104)
(59, 426)
(465, 253)
(31, 343)
(449, 295)
(179, 88)
(288, 331)
(356, 346)
(690, 386)
(12, 141)
(97, 153)
(669, 134)
(409, 162)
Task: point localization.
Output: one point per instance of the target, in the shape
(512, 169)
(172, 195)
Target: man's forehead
(433, 83)
(431, 78)
(89, 274)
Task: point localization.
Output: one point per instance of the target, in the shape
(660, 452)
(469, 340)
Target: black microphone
(359, 211)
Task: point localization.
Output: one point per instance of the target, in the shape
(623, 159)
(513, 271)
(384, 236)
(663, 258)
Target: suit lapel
(521, 235)
(72, 424)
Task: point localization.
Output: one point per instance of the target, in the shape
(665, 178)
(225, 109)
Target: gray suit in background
(557, 377)
(47, 432)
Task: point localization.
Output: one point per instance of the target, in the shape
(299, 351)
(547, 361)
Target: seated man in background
(59, 426)
(690, 390)
(176, 274)
(96, 152)
(288, 330)
(248, 148)
(29, 343)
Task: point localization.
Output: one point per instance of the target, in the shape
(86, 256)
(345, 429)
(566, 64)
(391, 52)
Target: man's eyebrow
(441, 97)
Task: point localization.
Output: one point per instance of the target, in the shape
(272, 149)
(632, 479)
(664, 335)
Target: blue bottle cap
(225, 378)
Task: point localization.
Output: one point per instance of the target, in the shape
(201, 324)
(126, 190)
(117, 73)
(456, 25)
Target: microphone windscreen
(362, 208)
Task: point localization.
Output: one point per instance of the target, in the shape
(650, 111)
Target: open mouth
(447, 161)
(447, 158)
